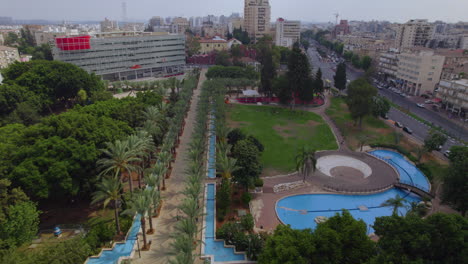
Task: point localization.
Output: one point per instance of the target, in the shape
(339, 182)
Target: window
(429, 79)
(207, 45)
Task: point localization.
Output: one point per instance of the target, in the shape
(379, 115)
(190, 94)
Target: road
(326, 67)
(420, 130)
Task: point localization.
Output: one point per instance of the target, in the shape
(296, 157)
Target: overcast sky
(305, 10)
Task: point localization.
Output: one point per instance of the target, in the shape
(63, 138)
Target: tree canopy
(54, 83)
(299, 74)
(340, 77)
(434, 140)
(439, 238)
(232, 72)
(360, 99)
(455, 190)
(340, 240)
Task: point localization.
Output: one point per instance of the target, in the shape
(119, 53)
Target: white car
(420, 105)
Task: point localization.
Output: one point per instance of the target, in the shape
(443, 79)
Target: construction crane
(336, 18)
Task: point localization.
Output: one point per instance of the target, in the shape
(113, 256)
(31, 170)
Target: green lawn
(376, 129)
(283, 132)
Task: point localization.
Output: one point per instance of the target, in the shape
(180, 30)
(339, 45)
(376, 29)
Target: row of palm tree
(139, 153)
(187, 227)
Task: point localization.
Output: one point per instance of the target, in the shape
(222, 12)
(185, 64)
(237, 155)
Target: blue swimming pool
(212, 247)
(120, 249)
(299, 211)
(409, 174)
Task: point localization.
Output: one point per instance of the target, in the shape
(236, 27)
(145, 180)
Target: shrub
(246, 198)
(100, 234)
(256, 142)
(227, 231)
(235, 135)
(258, 182)
(247, 222)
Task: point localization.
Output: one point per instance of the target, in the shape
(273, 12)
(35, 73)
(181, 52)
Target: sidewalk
(172, 196)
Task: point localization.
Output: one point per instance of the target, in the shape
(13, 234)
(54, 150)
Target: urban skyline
(304, 10)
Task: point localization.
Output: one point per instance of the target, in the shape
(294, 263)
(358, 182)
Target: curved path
(172, 197)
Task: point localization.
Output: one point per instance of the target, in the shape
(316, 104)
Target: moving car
(408, 130)
(447, 153)
(420, 105)
(398, 124)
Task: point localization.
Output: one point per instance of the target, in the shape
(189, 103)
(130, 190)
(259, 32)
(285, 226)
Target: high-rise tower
(257, 15)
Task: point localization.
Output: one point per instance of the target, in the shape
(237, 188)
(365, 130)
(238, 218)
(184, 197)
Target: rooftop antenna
(336, 18)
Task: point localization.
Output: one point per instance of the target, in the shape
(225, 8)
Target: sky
(304, 10)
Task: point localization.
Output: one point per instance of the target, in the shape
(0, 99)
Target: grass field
(374, 128)
(283, 132)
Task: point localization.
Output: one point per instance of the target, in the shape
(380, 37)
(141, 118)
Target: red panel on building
(73, 43)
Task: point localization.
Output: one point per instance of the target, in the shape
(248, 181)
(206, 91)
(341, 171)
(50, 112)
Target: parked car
(408, 130)
(384, 116)
(398, 124)
(447, 153)
(420, 105)
(428, 102)
(403, 95)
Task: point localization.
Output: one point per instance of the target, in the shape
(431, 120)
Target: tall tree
(318, 82)
(360, 99)
(366, 62)
(140, 203)
(268, 70)
(119, 159)
(456, 179)
(306, 161)
(340, 77)
(299, 75)
(110, 190)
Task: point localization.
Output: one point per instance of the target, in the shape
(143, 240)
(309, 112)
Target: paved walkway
(172, 196)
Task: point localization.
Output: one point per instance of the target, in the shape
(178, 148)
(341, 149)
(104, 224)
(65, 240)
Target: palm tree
(141, 145)
(226, 165)
(153, 180)
(182, 248)
(109, 190)
(165, 158)
(119, 159)
(155, 199)
(191, 208)
(306, 161)
(160, 170)
(396, 203)
(149, 193)
(139, 204)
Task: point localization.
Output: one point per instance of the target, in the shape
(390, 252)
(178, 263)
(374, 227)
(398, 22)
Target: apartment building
(8, 56)
(287, 32)
(388, 65)
(419, 71)
(109, 25)
(181, 25)
(124, 55)
(414, 33)
(455, 64)
(454, 95)
(257, 15)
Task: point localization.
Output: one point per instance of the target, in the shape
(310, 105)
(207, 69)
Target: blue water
(409, 174)
(212, 247)
(212, 149)
(120, 249)
(313, 205)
